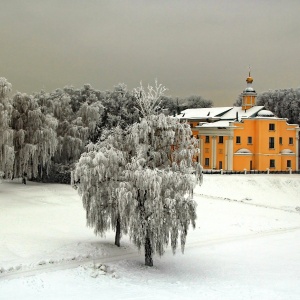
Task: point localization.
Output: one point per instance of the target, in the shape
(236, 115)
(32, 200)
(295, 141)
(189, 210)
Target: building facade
(242, 138)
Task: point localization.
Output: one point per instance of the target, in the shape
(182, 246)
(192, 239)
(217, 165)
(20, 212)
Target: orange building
(244, 138)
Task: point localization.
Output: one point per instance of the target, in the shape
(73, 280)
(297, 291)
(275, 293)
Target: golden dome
(249, 79)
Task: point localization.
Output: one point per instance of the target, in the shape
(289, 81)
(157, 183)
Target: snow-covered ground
(246, 246)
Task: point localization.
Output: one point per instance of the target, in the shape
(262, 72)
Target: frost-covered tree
(196, 101)
(74, 131)
(35, 139)
(98, 175)
(239, 100)
(160, 181)
(142, 177)
(71, 137)
(285, 103)
(168, 106)
(119, 110)
(78, 112)
(149, 100)
(6, 132)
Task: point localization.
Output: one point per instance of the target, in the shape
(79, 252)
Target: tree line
(42, 135)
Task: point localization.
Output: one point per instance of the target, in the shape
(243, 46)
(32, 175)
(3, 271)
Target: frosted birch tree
(143, 177)
(6, 132)
(35, 139)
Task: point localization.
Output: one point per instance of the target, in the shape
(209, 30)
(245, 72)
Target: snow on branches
(149, 100)
(161, 180)
(98, 175)
(5, 87)
(35, 139)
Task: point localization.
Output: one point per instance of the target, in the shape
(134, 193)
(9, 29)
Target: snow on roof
(223, 113)
(249, 89)
(216, 124)
(265, 113)
(202, 113)
(241, 113)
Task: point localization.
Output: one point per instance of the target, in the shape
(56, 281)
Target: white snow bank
(245, 246)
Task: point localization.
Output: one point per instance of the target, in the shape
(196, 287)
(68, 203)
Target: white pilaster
(214, 152)
(230, 153)
(201, 152)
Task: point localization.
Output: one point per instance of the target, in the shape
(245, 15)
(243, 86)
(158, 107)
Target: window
(207, 139)
(288, 163)
(238, 139)
(220, 139)
(272, 127)
(249, 139)
(271, 143)
(291, 141)
(206, 162)
(280, 140)
(272, 163)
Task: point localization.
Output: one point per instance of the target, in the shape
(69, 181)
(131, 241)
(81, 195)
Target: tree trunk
(24, 177)
(148, 252)
(118, 232)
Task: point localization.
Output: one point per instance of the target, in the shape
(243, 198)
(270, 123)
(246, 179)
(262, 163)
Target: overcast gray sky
(199, 47)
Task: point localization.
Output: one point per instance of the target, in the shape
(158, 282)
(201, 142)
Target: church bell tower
(249, 94)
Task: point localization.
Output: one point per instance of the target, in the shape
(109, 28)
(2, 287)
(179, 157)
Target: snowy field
(246, 246)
